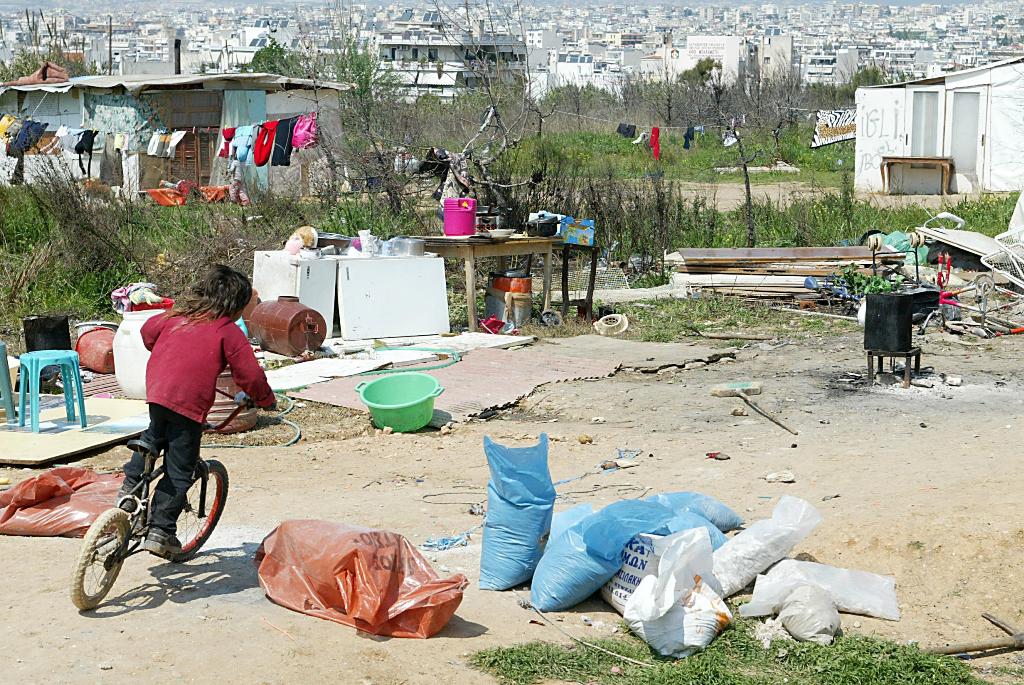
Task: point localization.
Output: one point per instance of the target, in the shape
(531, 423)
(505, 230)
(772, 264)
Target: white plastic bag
(809, 615)
(640, 558)
(679, 611)
(765, 542)
(853, 592)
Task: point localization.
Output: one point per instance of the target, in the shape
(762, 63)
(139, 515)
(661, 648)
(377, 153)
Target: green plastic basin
(403, 402)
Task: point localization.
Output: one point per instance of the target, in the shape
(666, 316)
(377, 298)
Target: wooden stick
(765, 414)
(807, 312)
(983, 646)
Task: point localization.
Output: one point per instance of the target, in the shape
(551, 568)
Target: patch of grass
(735, 658)
(671, 320)
(595, 152)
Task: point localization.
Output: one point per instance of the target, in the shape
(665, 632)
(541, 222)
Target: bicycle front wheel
(100, 559)
(194, 530)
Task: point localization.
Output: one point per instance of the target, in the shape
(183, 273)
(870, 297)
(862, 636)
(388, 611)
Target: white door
(965, 132)
(925, 126)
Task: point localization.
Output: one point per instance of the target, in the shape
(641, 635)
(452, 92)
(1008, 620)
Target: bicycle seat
(144, 446)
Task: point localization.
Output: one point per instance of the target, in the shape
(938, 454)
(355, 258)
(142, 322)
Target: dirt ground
(928, 486)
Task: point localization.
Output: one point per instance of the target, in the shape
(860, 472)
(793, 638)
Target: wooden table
(943, 164)
(474, 247)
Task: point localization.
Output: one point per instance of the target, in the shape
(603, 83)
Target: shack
(968, 125)
(134, 107)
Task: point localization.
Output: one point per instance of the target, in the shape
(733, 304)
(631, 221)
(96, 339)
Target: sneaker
(126, 504)
(162, 544)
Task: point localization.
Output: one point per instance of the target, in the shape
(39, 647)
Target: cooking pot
(408, 247)
(339, 241)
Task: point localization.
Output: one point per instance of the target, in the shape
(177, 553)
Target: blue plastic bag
(584, 557)
(686, 520)
(520, 502)
(564, 520)
(724, 518)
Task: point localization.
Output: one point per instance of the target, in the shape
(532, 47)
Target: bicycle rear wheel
(193, 530)
(99, 561)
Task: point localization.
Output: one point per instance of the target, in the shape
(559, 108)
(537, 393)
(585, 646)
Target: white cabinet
(387, 297)
(313, 281)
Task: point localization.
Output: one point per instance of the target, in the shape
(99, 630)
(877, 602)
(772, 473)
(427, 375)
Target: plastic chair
(32, 364)
(6, 391)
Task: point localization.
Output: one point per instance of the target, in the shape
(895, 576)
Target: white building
(431, 58)
(833, 67)
(974, 118)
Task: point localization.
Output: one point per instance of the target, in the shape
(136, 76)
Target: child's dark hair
(222, 292)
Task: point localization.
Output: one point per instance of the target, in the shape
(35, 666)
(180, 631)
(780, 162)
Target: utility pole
(110, 44)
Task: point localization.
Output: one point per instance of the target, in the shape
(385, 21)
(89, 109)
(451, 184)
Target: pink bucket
(459, 216)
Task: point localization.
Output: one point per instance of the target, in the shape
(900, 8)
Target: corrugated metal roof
(935, 80)
(136, 83)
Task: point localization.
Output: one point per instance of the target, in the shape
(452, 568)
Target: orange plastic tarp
(372, 580)
(61, 502)
(169, 197)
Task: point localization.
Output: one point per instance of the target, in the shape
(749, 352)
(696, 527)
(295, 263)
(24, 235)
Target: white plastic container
(130, 355)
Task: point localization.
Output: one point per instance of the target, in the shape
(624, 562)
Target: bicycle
(118, 532)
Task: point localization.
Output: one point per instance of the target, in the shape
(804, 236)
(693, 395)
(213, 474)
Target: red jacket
(187, 358)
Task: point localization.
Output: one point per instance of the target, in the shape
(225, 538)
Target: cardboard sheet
(483, 380)
(300, 375)
(110, 422)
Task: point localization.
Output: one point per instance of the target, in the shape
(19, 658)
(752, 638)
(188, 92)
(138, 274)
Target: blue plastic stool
(32, 364)
(6, 391)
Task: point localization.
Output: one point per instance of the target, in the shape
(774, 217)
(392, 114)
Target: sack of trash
(373, 580)
(706, 506)
(642, 554)
(809, 615)
(520, 502)
(588, 553)
(765, 542)
(853, 592)
(566, 519)
(60, 502)
(679, 610)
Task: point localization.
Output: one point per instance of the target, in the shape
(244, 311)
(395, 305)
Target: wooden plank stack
(770, 273)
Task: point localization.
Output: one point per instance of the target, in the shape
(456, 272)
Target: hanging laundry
(84, 146)
(282, 155)
(306, 131)
(5, 123)
(698, 129)
(70, 139)
(111, 171)
(642, 138)
(241, 144)
(728, 139)
(236, 191)
(655, 142)
(226, 134)
(172, 142)
(263, 147)
(688, 137)
(158, 144)
(28, 137)
(119, 141)
(626, 130)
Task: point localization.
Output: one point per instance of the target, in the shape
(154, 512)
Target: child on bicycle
(191, 345)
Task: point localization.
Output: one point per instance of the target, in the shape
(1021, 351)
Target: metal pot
(339, 241)
(544, 228)
(409, 247)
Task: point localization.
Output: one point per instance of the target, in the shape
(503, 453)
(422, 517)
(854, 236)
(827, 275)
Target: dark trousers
(180, 437)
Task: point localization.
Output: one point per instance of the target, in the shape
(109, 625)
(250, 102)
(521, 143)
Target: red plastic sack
(60, 502)
(372, 580)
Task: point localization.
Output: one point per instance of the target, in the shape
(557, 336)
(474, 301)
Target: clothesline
(663, 128)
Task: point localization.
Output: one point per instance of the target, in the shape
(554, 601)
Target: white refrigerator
(313, 281)
(390, 297)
